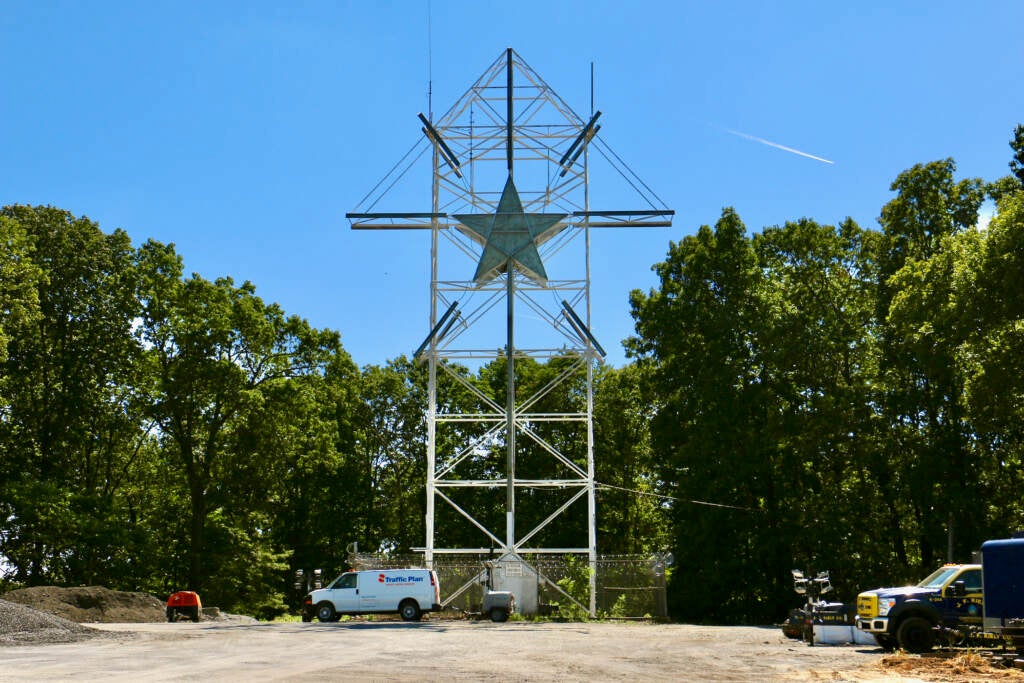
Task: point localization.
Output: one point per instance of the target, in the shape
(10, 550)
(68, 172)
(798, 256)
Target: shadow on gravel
(319, 627)
(378, 625)
(520, 627)
(314, 626)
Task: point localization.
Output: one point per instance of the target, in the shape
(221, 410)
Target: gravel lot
(437, 649)
(40, 644)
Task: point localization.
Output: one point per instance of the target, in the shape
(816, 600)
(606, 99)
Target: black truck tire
(885, 641)
(915, 635)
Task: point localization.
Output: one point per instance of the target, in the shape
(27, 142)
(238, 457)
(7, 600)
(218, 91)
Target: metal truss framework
(511, 122)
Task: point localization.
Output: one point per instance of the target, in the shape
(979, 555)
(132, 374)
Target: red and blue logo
(398, 580)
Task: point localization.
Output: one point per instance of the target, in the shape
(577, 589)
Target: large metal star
(511, 236)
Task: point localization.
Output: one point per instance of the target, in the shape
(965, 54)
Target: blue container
(1002, 564)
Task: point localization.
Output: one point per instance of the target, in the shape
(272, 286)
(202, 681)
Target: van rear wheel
(325, 612)
(409, 610)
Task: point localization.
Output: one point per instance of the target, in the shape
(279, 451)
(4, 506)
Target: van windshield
(346, 580)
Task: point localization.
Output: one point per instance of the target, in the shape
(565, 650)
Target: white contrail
(778, 146)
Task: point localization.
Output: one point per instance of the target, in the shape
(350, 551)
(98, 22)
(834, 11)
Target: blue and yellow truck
(948, 601)
(958, 602)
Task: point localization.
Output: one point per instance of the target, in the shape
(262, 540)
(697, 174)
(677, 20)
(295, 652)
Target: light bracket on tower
(581, 328)
(434, 330)
(446, 152)
(581, 141)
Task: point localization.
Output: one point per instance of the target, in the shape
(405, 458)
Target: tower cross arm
(654, 218)
(641, 218)
(393, 221)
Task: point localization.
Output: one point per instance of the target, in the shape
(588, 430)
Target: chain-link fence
(627, 586)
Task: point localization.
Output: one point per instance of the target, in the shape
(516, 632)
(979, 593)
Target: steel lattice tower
(510, 193)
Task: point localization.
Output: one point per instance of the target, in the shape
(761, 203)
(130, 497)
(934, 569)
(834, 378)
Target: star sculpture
(511, 236)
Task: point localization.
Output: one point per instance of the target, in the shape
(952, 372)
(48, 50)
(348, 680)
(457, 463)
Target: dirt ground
(40, 645)
(435, 650)
(432, 650)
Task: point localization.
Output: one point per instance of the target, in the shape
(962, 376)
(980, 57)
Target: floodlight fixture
(433, 332)
(451, 323)
(581, 328)
(579, 138)
(435, 137)
(565, 169)
(588, 132)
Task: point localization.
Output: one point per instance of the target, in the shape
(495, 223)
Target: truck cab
(911, 616)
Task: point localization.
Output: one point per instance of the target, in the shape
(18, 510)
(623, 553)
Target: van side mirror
(959, 589)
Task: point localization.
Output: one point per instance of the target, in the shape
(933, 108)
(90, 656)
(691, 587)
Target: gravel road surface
(435, 650)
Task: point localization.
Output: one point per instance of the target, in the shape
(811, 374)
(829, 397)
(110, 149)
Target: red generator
(184, 604)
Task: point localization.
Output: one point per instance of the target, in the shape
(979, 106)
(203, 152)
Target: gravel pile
(21, 625)
(84, 604)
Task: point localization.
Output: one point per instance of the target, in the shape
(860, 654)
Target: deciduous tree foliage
(70, 427)
(631, 512)
(921, 382)
(1017, 162)
(220, 361)
(826, 382)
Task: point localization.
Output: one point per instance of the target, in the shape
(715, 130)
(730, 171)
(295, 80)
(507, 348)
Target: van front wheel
(409, 611)
(325, 612)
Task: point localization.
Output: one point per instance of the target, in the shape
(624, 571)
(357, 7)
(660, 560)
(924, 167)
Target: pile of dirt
(21, 625)
(968, 666)
(91, 604)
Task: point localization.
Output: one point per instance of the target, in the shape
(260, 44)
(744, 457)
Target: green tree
(20, 275)
(1017, 145)
(760, 353)
(697, 333)
(818, 346)
(993, 358)
(631, 513)
(392, 455)
(217, 351)
(921, 383)
(325, 493)
(72, 432)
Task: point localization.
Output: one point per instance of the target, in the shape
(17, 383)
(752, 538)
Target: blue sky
(243, 132)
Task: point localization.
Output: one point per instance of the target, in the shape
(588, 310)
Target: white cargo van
(409, 592)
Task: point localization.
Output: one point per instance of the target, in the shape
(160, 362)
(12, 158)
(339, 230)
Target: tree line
(162, 431)
(854, 395)
(814, 396)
